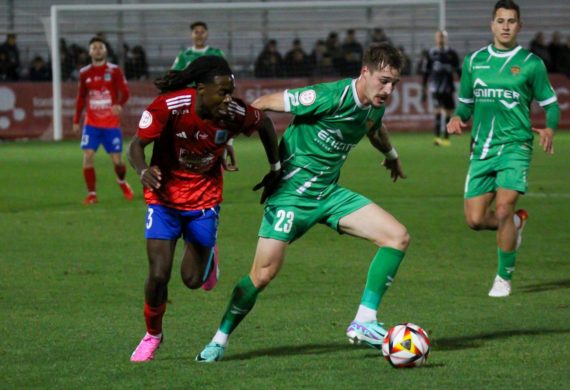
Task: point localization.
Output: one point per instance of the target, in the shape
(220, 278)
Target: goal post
(59, 12)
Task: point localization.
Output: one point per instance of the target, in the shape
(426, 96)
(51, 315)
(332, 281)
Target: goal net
(241, 29)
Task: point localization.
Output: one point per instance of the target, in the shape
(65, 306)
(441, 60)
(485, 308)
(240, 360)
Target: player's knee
(158, 277)
(398, 238)
(504, 212)
(475, 221)
(262, 277)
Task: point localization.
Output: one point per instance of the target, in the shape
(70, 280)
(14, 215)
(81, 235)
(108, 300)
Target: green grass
(71, 284)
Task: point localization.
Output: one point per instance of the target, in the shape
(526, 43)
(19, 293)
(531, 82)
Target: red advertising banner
(26, 108)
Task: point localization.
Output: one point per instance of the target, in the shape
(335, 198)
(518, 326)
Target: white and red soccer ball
(406, 345)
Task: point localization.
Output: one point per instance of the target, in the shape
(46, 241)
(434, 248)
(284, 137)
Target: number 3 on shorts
(284, 221)
(149, 218)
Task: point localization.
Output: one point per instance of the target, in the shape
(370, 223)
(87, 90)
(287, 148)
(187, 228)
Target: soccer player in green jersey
(199, 48)
(498, 84)
(329, 120)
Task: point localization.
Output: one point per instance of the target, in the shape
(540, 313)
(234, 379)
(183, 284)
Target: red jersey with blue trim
(101, 87)
(188, 149)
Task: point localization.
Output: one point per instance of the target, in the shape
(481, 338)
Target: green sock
(242, 301)
(506, 264)
(380, 275)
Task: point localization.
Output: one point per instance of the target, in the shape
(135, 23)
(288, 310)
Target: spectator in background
(334, 50)
(379, 36)
(269, 63)
(297, 62)
(538, 47)
(39, 70)
(422, 62)
(136, 65)
(407, 69)
(199, 33)
(555, 49)
(321, 61)
(351, 55)
(565, 57)
(66, 60)
(10, 59)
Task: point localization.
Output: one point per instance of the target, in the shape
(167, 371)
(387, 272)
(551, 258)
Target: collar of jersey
(355, 94)
(200, 50)
(503, 53)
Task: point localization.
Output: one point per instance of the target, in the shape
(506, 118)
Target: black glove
(269, 183)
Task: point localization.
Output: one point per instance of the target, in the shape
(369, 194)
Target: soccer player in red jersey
(189, 127)
(103, 91)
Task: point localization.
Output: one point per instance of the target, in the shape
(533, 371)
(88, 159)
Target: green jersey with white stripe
(185, 57)
(498, 87)
(329, 121)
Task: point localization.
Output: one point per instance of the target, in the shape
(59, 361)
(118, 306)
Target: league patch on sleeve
(146, 120)
(308, 97)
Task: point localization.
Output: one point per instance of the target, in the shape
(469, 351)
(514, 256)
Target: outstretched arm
(272, 102)
(380, 140)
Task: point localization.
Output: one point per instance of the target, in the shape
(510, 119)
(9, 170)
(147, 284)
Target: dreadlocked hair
(201, 70)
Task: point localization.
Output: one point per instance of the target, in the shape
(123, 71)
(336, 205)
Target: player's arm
(268, 138)
(179, 62)
(425, 76)
(272, 102)
(149, 176)
(547, 99)
(466, 101)
(380, 140)
(123, 89)
(79, 103)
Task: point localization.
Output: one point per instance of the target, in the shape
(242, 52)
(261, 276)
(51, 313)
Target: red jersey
(188, 149)
(102, 86)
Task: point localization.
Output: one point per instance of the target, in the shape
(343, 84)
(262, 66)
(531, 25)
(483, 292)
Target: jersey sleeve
(250, 118)
(314, 100)
(153, 119)
(466, 98)
(121, 84)
(80, 99)
(541, 87)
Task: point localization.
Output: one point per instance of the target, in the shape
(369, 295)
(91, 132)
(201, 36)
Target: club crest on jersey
(107, 77)
(308, 97)
(221, 136)
(515, 70)
(146, 120)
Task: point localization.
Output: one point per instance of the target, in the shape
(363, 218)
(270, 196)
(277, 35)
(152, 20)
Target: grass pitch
(72, 277)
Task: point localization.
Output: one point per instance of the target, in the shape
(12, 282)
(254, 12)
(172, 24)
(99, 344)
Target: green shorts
(287, 217)
(508, 170)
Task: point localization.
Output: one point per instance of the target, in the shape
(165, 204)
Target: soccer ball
(406, 345)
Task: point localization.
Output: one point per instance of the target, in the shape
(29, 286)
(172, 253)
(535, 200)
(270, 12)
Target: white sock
(221, 338)
(517, 221)
(365, 314)
(155, 336)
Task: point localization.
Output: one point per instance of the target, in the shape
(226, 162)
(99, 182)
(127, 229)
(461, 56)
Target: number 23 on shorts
(284, 221)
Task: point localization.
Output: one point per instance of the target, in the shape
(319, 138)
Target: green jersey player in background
(329, 120)
(498, 84)
(199, 31)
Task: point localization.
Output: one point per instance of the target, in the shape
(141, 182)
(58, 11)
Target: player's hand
(116, 109)
(455, 125)
(546, 139)
(229, 161)
(151, 177)
(75, 128)
(269, 183)
(395, 169)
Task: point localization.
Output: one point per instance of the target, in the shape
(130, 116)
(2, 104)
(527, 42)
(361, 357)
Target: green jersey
(185, 57)
(329, 121)
(498, 87)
